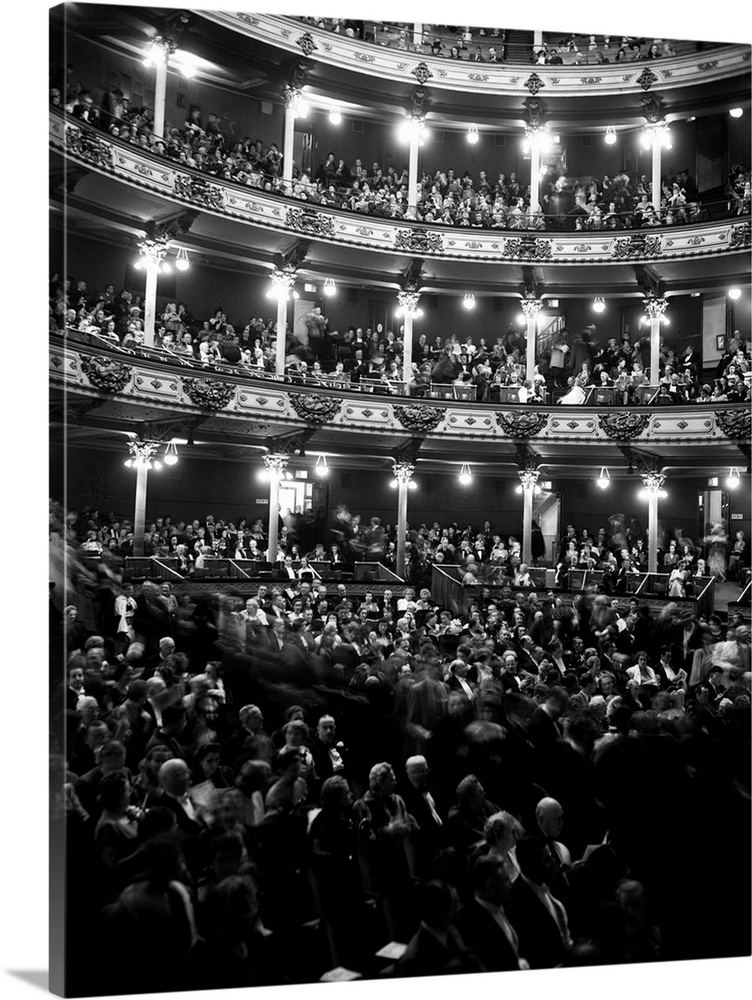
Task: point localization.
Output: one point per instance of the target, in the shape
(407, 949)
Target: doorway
(547, 513)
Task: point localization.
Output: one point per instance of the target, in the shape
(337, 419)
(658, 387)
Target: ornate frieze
(417, 417)
(418, 241)
(623, 426)
(735, 423)
(309, 221)
(88, 144)
(317, 409)
(528, 248)
(521, 425)
(105, 373)
(210, 394)
(636, 246)
(198, 190)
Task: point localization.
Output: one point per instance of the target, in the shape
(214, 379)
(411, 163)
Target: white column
(417, 34)
(537, 39)
(656, 144)
(150, 300)
(655, 308)
(287, 148)
(409, 302)
(277, 467)
(403, 473)
(160, 96)
(534, 174)
(530, 308)
(529, 480)
(654, 488)
(282, 282)
(139, 514)
(412, 170)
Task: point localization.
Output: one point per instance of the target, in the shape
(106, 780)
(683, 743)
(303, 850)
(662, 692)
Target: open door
(547, 514)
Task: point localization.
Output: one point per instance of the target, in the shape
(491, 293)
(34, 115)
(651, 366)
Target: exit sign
(737, 517)
(713, 481)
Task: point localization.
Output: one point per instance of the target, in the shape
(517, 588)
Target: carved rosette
(636, 246)
(317, 409)
(109, 376)
(623, 426)
(416, 417)
(306, 220)
(208, 393)
(527, 248)
(735, 423)
(199, 191)
(521, 425)
(416, 240)
(86, 144)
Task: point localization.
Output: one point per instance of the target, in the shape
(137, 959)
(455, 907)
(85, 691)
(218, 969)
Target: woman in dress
(717, 542)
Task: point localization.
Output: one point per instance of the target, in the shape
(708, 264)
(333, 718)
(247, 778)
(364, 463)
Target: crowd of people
(446, 197)
(568, 366)
(261, 789)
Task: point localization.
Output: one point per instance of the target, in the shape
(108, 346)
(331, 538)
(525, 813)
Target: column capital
(276, 464)
(653, 483)
(283, 278)
(403, 472)
(154, 251)
(293, 98)
(528, 478)
(531, 306)
(142, 454)
(655, 306)
(408, 300)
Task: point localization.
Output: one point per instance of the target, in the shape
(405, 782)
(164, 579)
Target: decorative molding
(106, 374)
(198, 190)
(647, 78)
(416, 417)
(533, 83)
(422, 73)
(307, 43)
(521, 425)
(403, 471)
(208, 393)
(636, 245)
(418, 241)
(740, 238)
(309, 221)
(735, 423)
(529, 478)
(315, 408)
(88, 144)
(623, 426)
(528, 248)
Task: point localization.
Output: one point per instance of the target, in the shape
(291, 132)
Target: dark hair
(111, 789)
(172, 715)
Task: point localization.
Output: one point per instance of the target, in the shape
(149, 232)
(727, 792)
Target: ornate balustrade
(238, 395)
(135, 166)
(394, 64)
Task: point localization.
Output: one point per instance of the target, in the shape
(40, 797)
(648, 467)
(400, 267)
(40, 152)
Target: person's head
(336, 794)
(174, 718)
(381, 779)
(113, 793)
(326, 729)
(111, 756)
(208, 758)
(251, 718)
(470, 793)
(175, 777)
(154, 759)
(502, 831)
(417, 771)
(550, 817)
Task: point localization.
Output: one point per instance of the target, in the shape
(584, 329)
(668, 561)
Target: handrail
(237, 572)
(706, 598)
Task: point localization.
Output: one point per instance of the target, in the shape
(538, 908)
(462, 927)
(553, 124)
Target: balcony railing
(138, 167)
(174, 383)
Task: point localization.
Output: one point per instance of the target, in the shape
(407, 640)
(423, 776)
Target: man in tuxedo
(539, 917)
(543, 730)
(329, 755)
(430, 837)
(483, 923)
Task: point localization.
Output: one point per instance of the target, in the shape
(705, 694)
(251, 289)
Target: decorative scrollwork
(416, 417)
(365, 57)
(533, 83)
(416, 240)
(208, 393)
(110, 376)
(307, 43)
(735, 423)
(422, 73)
(88, 145)
(199, 191)
(623, 426)
(705, 66)
(590, 79)
(307, 220)
(317, 409)
(636, 246)
(740, 237)
(478, 77)
(521, 425)
(647, 78)
(527, 248)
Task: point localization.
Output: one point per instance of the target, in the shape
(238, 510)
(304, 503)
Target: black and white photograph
(399, 383)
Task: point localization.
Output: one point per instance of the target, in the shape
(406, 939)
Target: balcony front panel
(134, 166)
(373, 60)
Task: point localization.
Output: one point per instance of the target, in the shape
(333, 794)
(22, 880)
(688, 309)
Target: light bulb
(157, 465)
(599, 304)
(465, 478)
(394, 484)
(603, 483)
(412, 485)
(138, 264)
(128, 463)
(736, 112)
(734, 293)
(335, 115)
(263, 475)
(610, 135)
(165, 268)
(469, 302)
(170, 459)
(321, 471)
(733, 479)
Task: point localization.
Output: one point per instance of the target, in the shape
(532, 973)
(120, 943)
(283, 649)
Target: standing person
(559, 356)
(717, 541)
(317, 326)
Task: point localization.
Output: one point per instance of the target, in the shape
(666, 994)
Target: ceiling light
(733, 479)
(734, 293)
(330, 288)
(465, 476)
(599, 304)
(610, 135)
(604, 480)
(736, 112)
(472, 134)
(181, 261)
(412, 485)
(321, 468)
(171, 454)
(469, 301)
(335, 115)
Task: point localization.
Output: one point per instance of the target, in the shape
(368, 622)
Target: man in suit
(436, 947)
(483, 923)
(539, 918)
(430, 837)
(543, 730)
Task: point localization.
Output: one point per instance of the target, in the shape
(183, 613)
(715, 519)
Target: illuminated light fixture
(472, 134)
(330, 288)
(163, 50)
(610, 137)
(413, 126)
(282, 282)
(604, 480)
(165, 267)
(599, 304)
(295, 102)
(335, 115)
(159, 51)
(656, 132)
(181, 261)
(152, 253)
(408, 303)
(465, 476)
(736, 112)
(733, 479)
(142, 455)
(275, 467)
(734, 293)
(653, 485)
(469, 301)
(171, 454)
(321, 469)
(403, 473)
(540, 136)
